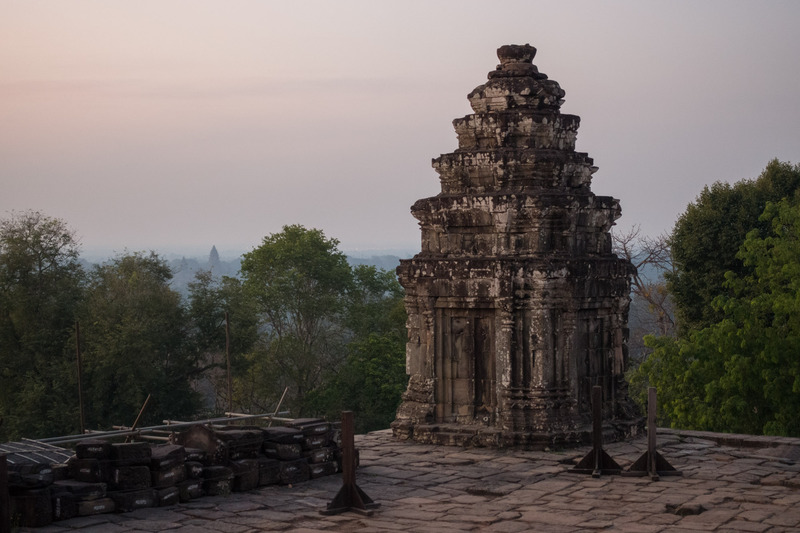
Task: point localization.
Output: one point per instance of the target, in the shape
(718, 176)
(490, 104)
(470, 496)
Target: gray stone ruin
(516, 304)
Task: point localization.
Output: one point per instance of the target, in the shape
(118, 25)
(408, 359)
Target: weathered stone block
(516, 304)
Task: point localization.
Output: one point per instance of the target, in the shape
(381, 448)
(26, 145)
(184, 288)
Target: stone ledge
(733, 440)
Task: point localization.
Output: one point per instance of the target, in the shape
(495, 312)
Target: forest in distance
(302, 321)
(714, 323)
(185, 267)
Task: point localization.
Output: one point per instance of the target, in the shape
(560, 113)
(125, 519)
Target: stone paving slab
(729, 483)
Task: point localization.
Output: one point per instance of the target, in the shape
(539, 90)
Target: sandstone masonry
(516, 304)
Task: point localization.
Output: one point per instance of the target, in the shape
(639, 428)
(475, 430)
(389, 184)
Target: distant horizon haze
(102, 253)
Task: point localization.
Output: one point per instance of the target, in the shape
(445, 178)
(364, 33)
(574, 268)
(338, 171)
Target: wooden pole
(278, 408)
(138, 417)
(350, 497)
(597, 462)
(348, 449)
(80, 374)
(597, 428)
(651, 463)
(228, 360)
(651, 433)
(5, 499)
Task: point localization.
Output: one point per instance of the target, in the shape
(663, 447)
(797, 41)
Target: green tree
(651, 310)
(373, 377)
(299, 281)
(707, 238)
(762, 328)
(741, 373)
(135, 344)
(375, 303)
(210, 298)
(40, 288)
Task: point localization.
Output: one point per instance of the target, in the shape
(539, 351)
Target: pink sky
(175, 125)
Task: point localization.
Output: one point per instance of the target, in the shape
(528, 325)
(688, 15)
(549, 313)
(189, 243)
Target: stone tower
(516, 304)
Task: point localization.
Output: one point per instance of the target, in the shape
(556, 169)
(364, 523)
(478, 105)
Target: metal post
(5, 499)
(350, 497)
(80, 374)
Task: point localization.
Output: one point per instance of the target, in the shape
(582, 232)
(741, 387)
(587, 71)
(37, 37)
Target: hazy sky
(178, 124)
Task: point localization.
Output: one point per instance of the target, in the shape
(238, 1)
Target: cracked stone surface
(730, 483)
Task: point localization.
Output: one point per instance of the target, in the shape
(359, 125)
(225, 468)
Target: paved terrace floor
(736, 483)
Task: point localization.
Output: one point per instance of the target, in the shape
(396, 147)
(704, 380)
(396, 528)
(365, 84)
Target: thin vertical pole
(597, 427)
(350, 497)
(651, 432)
(597, 461)
(228, 360)
(80, 374)
(651, 463)
(5, 499)
(348, 449)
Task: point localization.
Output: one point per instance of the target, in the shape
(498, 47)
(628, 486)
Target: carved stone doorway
(466, 366)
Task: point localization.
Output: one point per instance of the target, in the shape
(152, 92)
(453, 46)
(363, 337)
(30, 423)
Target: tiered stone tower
(516, 304)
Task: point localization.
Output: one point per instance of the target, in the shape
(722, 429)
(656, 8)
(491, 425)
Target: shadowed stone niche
(516, 304)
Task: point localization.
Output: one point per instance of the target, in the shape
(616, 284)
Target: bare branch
(652, 258)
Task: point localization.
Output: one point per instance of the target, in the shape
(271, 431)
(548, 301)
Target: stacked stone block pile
(105, 477)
